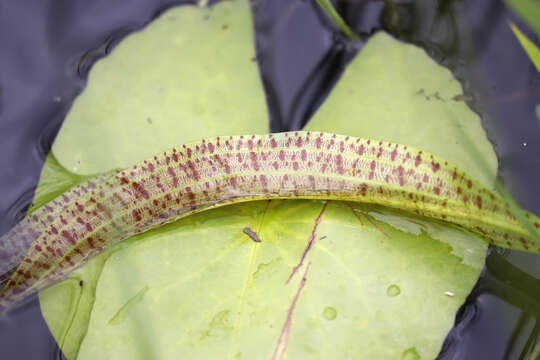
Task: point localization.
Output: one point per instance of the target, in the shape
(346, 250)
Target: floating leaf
(397, 93)
(189, 67)
(378, 282)
(215, 293)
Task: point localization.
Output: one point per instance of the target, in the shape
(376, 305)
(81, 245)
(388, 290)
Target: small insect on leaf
(252, 234)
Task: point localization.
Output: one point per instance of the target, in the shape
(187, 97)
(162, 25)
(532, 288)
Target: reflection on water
(51, 45)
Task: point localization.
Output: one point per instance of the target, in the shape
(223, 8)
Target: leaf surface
(395, 92)
(176, 82)
(528, 10)
(380, 284)
(530, 48)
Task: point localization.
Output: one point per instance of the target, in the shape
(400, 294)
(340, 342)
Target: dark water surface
(48, 46)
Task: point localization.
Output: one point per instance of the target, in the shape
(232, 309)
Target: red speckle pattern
(214, 172)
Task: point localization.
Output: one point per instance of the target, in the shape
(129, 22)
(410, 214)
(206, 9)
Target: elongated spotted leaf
(225, 170)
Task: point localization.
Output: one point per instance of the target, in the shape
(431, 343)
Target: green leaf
(121, 118)
(185, 71)
(54, 181)
(530, 48)
(331, 12)
(66, 306)
(212, 292)
(381, 284)
(528, 10)
(396, 93)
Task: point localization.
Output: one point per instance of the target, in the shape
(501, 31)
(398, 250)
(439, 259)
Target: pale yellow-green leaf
(188, 67)
(215, 293)
(201, 288)
(66, 306)
(399, 94)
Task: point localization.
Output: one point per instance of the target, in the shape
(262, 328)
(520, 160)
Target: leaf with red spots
(208, 284)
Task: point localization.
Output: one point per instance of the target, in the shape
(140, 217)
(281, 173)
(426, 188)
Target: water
(47, 47)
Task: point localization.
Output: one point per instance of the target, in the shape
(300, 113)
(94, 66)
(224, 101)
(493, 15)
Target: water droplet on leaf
(329, 313)
(410, 354)
(393, 290)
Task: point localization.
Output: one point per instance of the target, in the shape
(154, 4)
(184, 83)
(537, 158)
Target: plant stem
(329, 10)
